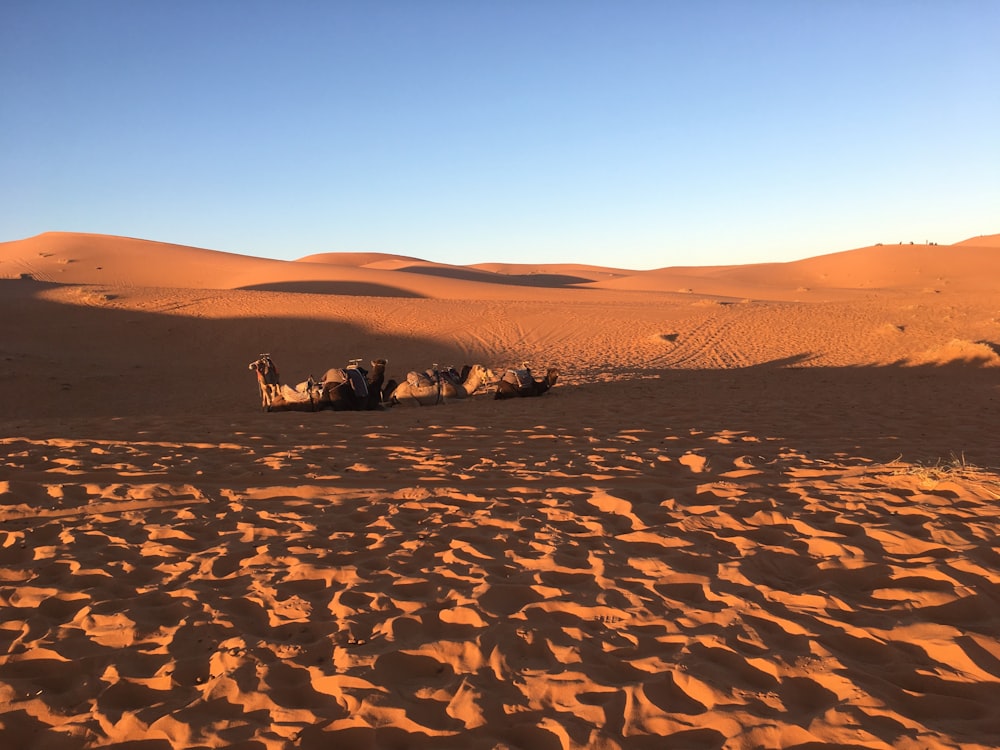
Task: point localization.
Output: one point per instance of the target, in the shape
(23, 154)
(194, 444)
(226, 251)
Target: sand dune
(964, 267)
(983, 240)
(757, 510)
(65, 258)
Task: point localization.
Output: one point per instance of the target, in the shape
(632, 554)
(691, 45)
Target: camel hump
(334, 375)
(418, 379)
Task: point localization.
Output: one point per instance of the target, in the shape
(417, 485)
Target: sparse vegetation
(92, 296)
(954, 469)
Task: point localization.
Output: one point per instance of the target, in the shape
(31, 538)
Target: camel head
(267, 372)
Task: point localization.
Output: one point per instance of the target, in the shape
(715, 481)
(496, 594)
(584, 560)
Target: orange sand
(756, 511)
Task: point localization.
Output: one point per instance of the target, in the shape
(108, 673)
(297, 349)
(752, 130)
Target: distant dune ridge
(757, 510)
(69, 258)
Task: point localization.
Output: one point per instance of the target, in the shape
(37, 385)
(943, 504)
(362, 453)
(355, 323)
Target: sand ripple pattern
(502, 589)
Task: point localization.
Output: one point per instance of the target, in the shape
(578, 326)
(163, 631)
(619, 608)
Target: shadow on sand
(543, 280)
(342, 288)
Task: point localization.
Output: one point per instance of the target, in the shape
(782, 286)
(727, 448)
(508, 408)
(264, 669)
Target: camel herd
(354, 388)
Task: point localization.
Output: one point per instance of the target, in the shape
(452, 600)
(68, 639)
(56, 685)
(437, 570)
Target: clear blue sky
(629, 133)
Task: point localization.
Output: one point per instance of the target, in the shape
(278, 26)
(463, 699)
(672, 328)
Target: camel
(436, 386)
(521, 383)
(353, 388)
(275, 396)
(342, 389)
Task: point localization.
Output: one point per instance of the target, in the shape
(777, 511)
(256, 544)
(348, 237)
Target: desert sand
(759, 508)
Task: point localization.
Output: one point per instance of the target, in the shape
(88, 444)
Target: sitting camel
(275, 396)
(435, 386)
(353, 388)
(520, 382)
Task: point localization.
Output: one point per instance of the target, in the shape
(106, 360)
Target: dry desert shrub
(954, 469)
(960, 350)
(91, 296)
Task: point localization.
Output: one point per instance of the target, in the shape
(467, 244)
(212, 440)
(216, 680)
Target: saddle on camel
(520, 382)
(350, 388)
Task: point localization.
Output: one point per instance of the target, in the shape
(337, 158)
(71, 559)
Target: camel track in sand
(709, 340)
(711, 344)
(509, 338)
(487, 334)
